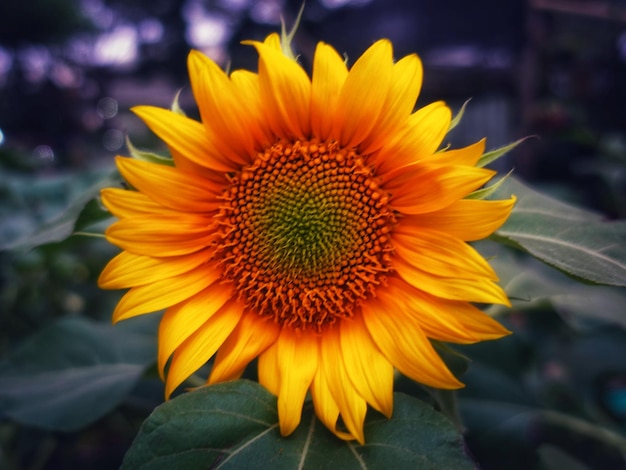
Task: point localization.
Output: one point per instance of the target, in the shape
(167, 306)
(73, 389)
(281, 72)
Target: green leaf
(73, 372)
(82, 212)
(493, 155)
(535, 286)
(235, 426)
(575, 241)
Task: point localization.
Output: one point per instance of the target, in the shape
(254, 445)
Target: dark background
(71, 69)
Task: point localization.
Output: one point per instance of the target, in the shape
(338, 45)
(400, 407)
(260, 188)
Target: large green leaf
(81, 210)
(533, 286)
(72, 373)
(573, 240)
(235, 426)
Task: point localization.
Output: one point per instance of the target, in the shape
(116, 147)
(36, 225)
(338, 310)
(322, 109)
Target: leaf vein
(548, 240)
(245, 445)
(307, 443)
(358, 458)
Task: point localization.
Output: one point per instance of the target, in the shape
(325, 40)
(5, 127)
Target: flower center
(305, 233)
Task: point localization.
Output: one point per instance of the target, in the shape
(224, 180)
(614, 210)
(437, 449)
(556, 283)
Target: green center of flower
(305, 233)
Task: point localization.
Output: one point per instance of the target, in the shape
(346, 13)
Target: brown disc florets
(305, 233)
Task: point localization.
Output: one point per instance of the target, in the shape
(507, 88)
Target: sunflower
(309, 222)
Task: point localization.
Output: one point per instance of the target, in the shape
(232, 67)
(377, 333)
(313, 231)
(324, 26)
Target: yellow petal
(404, 344)
(363, 95)
(268, 371)
(181, 321)
(351, 405)
(201, 345)
(124, 203)
(467, 219)
(273, 40)
(404, 88)
(251, 337)
(130, 270)
(441, 319)
(470, 290)
(425, 188)
(420, 138)
(441, 254)
(325, 406)
(369, 371)
(222, 111)
(164, 293)
(185, 136)
(165, 235)
(464, 156)
(329, 75)
(247, 87)
(170, 186)
(298, 356)
(285, 92)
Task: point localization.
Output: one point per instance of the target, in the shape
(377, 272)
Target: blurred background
(554, 69)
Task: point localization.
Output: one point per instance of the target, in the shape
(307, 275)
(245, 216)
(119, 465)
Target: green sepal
(457, 118)
(176, 105)
(484, 193)
(286, 38)
(147, 156)
(493, 155)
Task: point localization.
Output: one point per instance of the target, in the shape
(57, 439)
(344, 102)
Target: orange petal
(329, 75)
(404, 344)
(464, 156)
(441, 254)
(247, 87)
(181, 321)
(420, 138)
(251, 337)
(363, 95)
(467, 219)
(164, 293)
(201, 345)
(425, 188)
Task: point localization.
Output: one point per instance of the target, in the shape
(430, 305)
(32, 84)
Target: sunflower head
(310, 229)
(312, 223)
